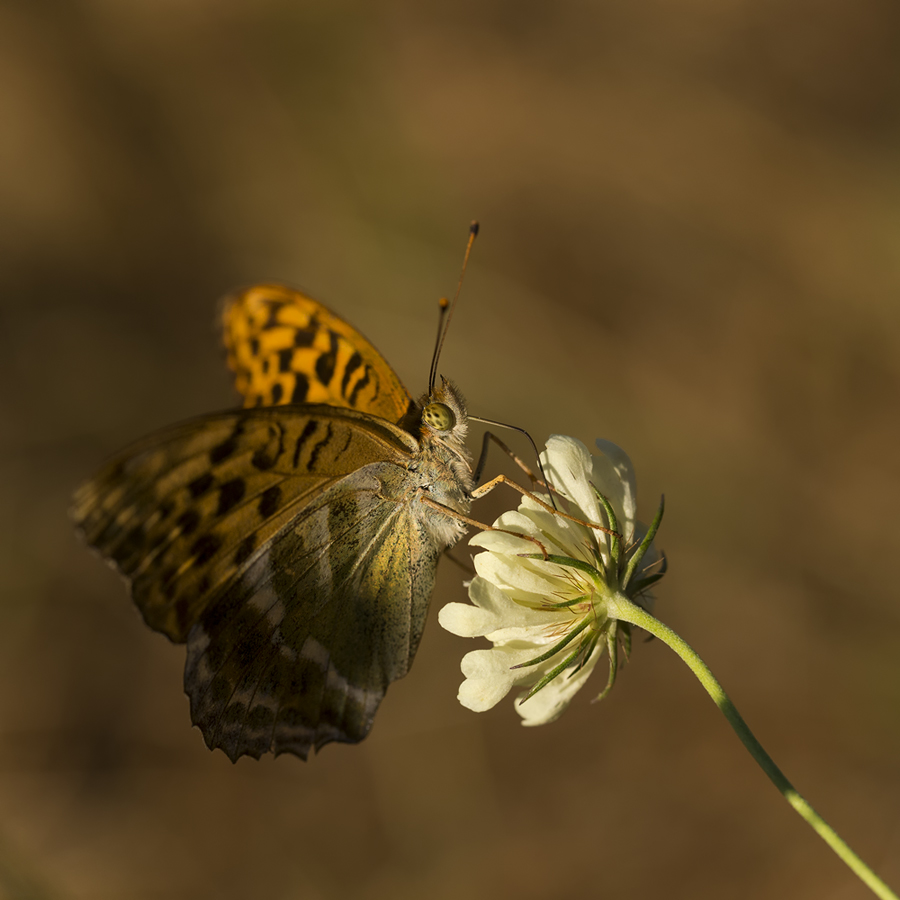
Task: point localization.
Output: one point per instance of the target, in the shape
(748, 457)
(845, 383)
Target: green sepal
(587, 648)
(612, 648)
(562, 604)
(625, 630)
(553, 673)
(643, 583)
(587, 620)
(614, 538)
(566, 561)
(638, 554)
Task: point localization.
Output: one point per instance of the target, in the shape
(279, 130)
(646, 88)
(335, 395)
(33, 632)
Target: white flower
(544, 592)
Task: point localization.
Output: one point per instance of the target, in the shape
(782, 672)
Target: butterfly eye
(439, 416)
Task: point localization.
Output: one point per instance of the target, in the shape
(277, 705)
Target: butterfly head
(443, 418)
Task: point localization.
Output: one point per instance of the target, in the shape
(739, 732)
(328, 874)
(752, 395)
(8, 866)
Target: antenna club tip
(443, 303)
(473, 228)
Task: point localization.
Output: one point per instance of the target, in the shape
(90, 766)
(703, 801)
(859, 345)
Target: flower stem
(620, 607)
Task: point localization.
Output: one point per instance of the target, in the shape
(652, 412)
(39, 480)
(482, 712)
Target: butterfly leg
(482, 459)
(488, 486)
(468, 520)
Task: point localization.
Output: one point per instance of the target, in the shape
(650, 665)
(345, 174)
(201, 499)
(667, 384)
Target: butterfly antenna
(443, 306)
(446, 316)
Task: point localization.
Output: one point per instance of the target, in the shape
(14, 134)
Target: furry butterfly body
(291, 544)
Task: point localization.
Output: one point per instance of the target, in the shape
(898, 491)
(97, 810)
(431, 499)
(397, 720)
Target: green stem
(620, 607)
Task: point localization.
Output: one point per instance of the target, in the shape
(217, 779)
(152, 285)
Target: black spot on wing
(245, 549)
(363, 382)
(314, 454)
(205, 548)
(308, 431)
(285, 359)
(200, 485)
(230, 494)
(326, 363)
(301, 388)
(269, 501)
(277, 393)
(188, 521)
(304, 337)
(266, 456)
(222, 451)
(353, 364)
(272, 319)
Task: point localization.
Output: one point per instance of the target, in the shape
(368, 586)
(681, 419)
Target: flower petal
(502, 542)
(550, 701)
(613, 475)
(519, 575)
(492, 612)
(563, 536)
(567, 462)
(489, 677)
(465, 620)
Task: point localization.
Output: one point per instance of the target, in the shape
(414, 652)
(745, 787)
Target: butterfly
(291, 544)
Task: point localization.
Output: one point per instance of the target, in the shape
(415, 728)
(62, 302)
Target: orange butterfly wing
(285, 347)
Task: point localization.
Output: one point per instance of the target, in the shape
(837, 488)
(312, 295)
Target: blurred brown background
(690, 221)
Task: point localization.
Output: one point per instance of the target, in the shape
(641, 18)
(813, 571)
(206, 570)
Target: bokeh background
(690, 223)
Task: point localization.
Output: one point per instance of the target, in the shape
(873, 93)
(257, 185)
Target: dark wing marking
(184, 512)
(285, 347)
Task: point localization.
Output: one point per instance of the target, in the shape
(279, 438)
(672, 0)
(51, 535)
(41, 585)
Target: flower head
(546, 589)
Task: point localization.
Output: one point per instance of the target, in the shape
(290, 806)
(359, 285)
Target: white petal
(565, 537)
(494, 611)
(501, 542)
(489, 677)
(517, 575)
(613, 476)
(551, 700)
(568, 466)
(490, 598)
(534, 637)
(467, 621)
(517, 520)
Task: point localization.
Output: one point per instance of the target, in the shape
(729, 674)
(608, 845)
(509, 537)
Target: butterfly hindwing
(285, 347)
(302, 647)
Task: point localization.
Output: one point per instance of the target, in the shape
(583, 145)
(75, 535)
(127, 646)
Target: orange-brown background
(690, 222)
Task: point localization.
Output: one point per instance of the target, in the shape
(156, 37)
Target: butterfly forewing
(181, 512)
(285, 347)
